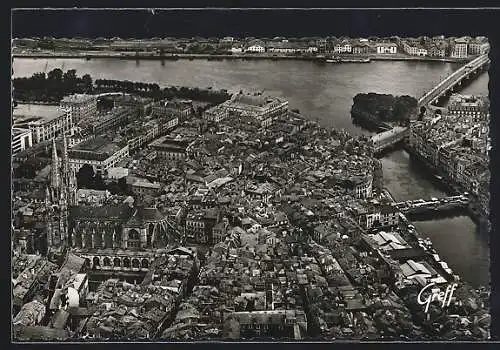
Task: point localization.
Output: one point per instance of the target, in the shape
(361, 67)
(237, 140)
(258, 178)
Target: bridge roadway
(433, 203)
(388, 138)
(453, 79)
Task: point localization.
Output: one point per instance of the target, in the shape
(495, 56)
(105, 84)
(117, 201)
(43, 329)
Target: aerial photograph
(243, 187)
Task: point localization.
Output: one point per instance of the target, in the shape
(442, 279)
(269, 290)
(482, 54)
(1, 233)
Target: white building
(21, 139)
(100, 153)
(81, 105)
(44, 122)
(236, 50)
(264, 110)
(256, 48)
(421, 51)
(386, 48)
(116, 173)
(363, 186)
(478, 48)
(460, 49)
(343, 47)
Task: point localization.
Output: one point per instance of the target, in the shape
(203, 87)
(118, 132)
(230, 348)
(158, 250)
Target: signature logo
(436, 294)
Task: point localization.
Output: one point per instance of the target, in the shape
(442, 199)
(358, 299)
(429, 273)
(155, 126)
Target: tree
(87, 81)
(122, 184)
(70, 75)
(55, 74)
(85, 176)
(98, 183)
(39, 76)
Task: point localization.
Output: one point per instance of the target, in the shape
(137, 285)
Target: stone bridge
(453, 80)
(388, 138)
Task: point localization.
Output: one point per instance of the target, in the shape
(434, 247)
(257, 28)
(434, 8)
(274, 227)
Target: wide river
(323, 92)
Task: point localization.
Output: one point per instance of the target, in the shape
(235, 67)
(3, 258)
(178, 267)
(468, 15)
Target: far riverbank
(151, 56)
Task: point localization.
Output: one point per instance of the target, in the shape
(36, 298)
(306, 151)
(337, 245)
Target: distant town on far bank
(394, 47)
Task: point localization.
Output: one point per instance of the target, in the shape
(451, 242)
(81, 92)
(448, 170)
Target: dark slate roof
(142, 215)
(104, 213)
(152, 214)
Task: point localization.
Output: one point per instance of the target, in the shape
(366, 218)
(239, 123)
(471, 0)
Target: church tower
(68, 175)
(60, 195)
(55, 180)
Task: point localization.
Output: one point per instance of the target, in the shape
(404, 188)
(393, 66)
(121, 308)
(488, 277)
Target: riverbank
(319, 58)
(472, 209)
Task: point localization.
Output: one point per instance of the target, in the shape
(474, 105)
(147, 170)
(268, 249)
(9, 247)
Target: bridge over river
(432, 206)
(455, 79)
(389, 138)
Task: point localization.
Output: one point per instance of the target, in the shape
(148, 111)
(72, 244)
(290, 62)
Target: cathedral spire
(47, 196)
(65, 173)
(68, 174)
(54, 171)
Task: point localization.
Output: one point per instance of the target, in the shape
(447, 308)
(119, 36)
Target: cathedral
(60, 194)
(70, 225)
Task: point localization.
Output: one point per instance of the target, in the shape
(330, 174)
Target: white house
(256, 48)
(386, 48)
(236, 50)
(343, 47)
(421, 52)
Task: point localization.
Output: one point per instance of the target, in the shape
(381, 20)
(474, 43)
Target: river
(323, 92)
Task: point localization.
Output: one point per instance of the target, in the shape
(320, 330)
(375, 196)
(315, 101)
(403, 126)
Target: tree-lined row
(51, 87)
(56, 84)
(153, 90)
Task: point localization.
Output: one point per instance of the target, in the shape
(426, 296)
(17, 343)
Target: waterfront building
(321, 44)
(390, 243)
(343, 46)
(386, 48)
(459, 48)
(479, 46)
(236, 49)
(362, 186)
(101, 153)
(422, 272)
(414, 50)
(283, 47)
(255, 49)
(437, 50)
(361, 49)
(380, 216)
(262, 109)
(476, 107)
(82, 106)
(45, 122)
(21, 139)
